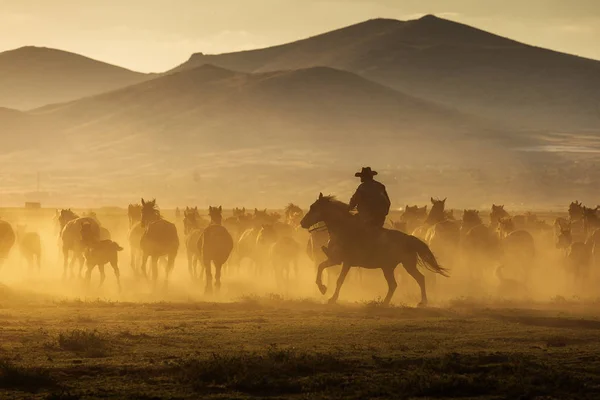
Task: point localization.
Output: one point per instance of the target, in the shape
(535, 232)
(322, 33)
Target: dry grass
(269, 346)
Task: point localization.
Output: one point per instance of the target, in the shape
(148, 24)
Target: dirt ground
(272, 347)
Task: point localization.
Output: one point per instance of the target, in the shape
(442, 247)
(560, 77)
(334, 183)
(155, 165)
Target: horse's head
(65, 216)
(326, 207)
(150, 212)
(191, 219)
(471, 218)
(293, 214)
(239, 212)
(506, 225)
(576, 210)
(497, 213)
(134, 212)
(437, 211)
(216, 215)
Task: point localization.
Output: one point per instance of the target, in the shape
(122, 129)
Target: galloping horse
(72, 242)
(443, 234)
(159, 239)
(192, 227)
(134, 213)
(346, 247)
(215, 245)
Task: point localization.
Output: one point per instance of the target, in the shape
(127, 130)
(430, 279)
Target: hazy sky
(155, 35)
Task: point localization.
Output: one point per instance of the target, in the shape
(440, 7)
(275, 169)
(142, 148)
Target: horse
(281, 250)
(192, 226)
(215, 246)
(158, 239)
(413, 217)
(347, 247)
(293, 215)
(443, 234)
(577, 218)
(135, 238)
(72, 242)
(479, 243)
(134, 214)
(498, 212)
(7, 240)
(30, 246)
(247, 244)
(518, 247)
(99, 254)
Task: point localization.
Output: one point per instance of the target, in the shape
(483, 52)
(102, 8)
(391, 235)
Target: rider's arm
(354, 200)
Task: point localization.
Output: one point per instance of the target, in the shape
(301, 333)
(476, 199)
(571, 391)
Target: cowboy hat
(366, 171)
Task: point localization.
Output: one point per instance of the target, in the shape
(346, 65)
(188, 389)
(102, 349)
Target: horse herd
(266, 243)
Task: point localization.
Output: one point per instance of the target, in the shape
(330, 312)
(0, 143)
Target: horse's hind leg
(411, 267)
(388, 273)
(117, 273)
(169, 268)
(206, 262)
(218, 267)
(102, 274)
(81, 261)
(191, 261)
(88, 275)
(340, 282)
(133, 261)
(143, 265)
(154, 270)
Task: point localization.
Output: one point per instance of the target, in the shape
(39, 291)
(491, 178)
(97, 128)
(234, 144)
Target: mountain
(447, 63)
(213, 135)
(31, 77)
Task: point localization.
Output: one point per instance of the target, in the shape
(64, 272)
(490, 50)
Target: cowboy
(371, 199)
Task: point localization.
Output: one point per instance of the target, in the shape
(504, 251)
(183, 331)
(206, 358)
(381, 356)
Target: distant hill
(448, 63)
(31, 77)
(238, 137)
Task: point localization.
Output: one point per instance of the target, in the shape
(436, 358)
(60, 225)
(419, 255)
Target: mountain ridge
(33, 76)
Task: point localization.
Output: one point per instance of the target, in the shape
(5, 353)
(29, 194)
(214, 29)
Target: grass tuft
(84, 342)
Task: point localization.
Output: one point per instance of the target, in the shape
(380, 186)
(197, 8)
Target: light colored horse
(73, 245)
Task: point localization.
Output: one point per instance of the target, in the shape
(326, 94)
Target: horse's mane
(334, 201)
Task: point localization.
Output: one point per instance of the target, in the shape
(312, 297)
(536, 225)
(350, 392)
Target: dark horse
(214, 246)
(159, 239)
(346, 247)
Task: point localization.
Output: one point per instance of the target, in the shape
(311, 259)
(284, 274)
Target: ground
(272, 347)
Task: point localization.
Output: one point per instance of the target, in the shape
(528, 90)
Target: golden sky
(156, 35)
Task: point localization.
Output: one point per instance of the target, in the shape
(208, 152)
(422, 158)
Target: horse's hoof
(422, 304)
(332, 301)
(323, 289)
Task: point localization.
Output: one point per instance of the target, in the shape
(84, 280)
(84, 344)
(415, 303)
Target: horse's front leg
(325, 264)
(340, 282)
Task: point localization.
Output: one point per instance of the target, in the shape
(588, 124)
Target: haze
(156, 35)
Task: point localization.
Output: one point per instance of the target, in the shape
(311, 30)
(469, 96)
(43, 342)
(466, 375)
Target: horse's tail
(425, 257)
